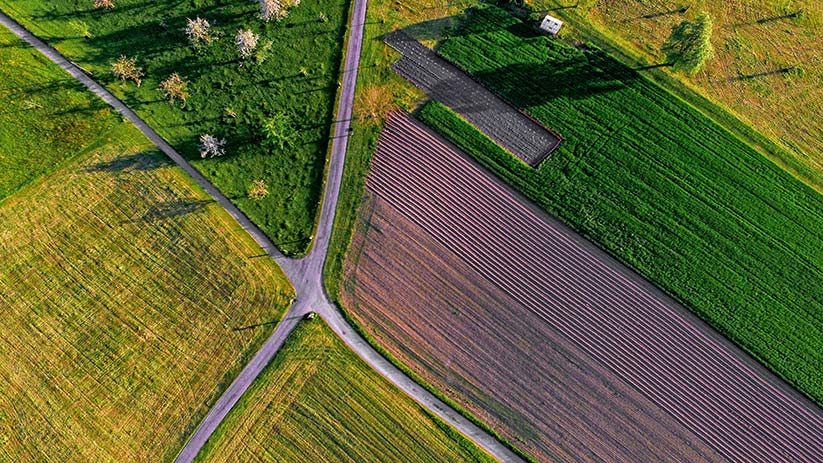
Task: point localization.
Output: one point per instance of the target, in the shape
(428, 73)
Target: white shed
(550, 24)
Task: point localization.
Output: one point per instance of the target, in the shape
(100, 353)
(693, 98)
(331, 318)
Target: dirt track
(544, 335)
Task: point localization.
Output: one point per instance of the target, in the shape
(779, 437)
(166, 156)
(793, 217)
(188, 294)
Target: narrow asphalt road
(305, 274)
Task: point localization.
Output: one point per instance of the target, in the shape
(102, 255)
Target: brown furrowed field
(120, 286)
(545, 338)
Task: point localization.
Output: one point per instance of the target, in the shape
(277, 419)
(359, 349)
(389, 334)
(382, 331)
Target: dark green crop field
(229, 97)
(660, 186)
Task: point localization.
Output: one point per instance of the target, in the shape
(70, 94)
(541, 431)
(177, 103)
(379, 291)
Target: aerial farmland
(411, 231)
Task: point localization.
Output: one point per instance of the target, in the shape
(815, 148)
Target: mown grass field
(229, 97)
(120, 283)
(661, 187)
(752, 39)
(318, 401)
(740, 87)
(41, 107)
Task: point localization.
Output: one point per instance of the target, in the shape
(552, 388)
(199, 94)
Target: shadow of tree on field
(533, 84)
(143, 161)
(767, 20)
(174, 208)
(433, 29)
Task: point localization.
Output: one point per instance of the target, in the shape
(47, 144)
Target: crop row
(662, 188)
(514, 130)
(716, 391)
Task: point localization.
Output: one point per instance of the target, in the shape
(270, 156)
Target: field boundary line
(80, 75)
(304, 274)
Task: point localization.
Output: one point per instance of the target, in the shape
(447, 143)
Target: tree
(175, 88)
(108, 4)
(689, 46)
(211, 146)
(273, 10)
(258, 190)
(199, 32)
(246, 41)
(127, 69)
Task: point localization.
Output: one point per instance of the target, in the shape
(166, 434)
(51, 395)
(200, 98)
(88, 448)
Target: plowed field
(544, 337)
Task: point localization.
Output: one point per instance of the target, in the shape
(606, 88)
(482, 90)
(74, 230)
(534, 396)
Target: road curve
(305, 274)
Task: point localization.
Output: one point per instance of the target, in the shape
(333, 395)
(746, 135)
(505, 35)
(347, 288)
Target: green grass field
(229, 97)
(318, 401)
(660, 186)
(41, 108)
(752, 39)
(120, 283)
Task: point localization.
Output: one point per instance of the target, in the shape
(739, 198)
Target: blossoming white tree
(199, 32)
(273, 10)
(211, 146)
(246, 41)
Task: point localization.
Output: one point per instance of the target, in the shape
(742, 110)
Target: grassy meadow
(747, 87)
(41, 107)
(120, 286)
(318, 401)
(661, 187)
(229, 97)
(753, 41)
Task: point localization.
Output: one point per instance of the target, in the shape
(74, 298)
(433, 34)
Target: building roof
(551, 24)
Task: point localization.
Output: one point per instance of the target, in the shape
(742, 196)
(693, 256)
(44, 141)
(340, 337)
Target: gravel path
(305, 274)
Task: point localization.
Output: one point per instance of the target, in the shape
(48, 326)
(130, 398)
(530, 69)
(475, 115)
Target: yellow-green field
(753, 40)
(318, 402)
(120, 284)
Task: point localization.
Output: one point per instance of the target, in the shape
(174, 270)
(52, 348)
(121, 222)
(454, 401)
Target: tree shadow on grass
(173, 209)
(591, 73)
(143, 161)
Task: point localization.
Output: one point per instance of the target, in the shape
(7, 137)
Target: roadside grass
(120, 284)
(229, 97)
(661, 187)
(318, 401)
(42, 108)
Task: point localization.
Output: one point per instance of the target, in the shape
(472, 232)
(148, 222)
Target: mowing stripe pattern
(731, 403)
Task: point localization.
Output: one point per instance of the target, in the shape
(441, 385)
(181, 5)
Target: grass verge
(318, 401)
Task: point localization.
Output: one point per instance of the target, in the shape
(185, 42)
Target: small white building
(550, 24)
